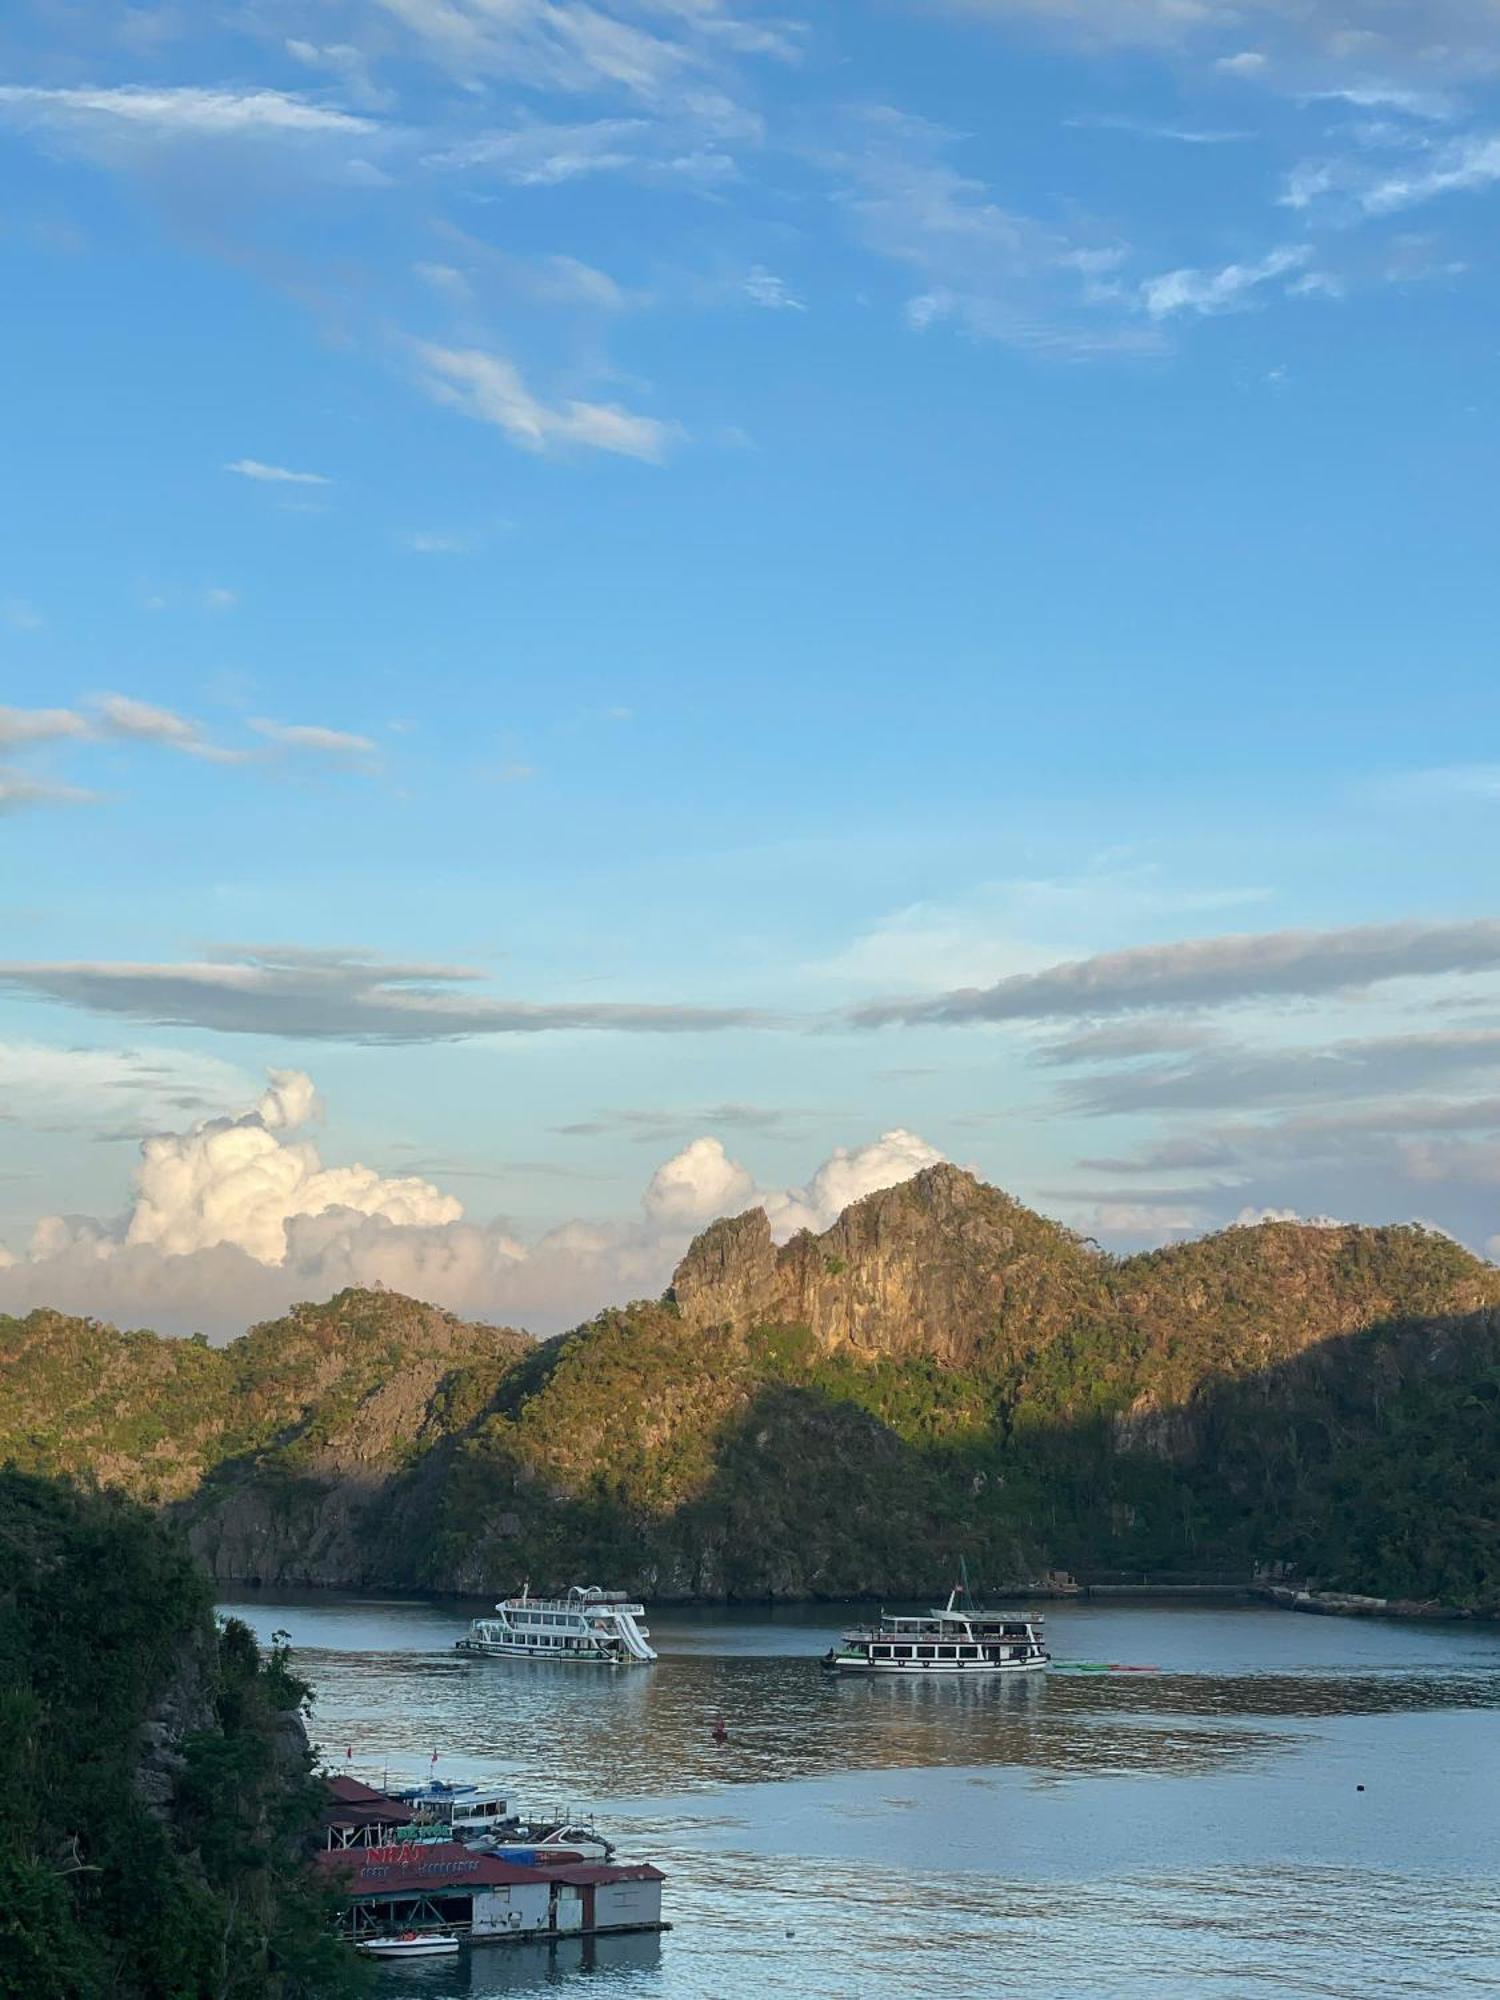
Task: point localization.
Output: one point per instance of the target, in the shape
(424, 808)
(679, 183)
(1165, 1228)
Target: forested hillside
(156, 1802)
(941, 1373)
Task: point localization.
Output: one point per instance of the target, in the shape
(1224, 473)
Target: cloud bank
(237, 1217)
(1211, 972)
(336, 996)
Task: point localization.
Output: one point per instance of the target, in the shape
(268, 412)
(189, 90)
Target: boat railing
(590, 1606)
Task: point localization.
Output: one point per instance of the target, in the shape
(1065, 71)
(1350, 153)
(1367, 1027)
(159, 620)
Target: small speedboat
(411, 1944)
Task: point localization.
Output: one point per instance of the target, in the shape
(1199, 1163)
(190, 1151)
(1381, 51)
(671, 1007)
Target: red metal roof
(373, 1871)
(352, 1804)
(350, 1792)
(385, 1871)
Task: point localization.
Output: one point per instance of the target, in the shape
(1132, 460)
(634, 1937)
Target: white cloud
(1253, 1218)
(981, 265)
(20, 726)
(1225, 290)
(105, 1091)
(1463, 167)
(699, 1183)
(235, 1217)
(490, 389)
(275, 475)
(846, 1176)
(121, 716)
(571, 46)
(21, 615)
(182, 112)
(338, 743)
(18, 791)
(236, 1181)
(764, 288)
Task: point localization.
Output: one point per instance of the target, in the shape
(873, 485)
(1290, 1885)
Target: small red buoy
(721, 1734)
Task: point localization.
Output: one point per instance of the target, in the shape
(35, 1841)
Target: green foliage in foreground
(106, 1622)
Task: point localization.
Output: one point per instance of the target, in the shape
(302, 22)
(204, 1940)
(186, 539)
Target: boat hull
(554, 1657)
(928, 1669)
(400, 1948)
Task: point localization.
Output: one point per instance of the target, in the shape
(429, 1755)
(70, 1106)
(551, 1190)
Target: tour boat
(958, 1639)
(411, 1944)
(601, 1627)
(459, 1812)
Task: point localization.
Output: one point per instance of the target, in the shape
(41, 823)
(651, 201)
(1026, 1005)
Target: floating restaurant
(397, 1879)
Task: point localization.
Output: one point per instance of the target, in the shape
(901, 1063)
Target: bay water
(1283, 1804)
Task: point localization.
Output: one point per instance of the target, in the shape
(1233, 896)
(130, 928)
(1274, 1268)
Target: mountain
(941, 1372)
(157, 1811)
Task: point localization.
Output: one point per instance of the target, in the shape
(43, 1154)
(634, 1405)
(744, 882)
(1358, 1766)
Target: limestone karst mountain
(942, 1371)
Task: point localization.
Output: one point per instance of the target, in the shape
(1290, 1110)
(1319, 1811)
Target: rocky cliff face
(940, 1266)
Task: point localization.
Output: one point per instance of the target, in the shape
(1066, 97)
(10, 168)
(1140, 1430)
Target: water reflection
(1292, 1803)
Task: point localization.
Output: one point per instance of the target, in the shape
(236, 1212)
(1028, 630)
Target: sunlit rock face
(939, 1266)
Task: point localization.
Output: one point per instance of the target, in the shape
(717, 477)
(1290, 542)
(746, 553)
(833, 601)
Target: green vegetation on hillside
(155, 1792)
(941, 1373)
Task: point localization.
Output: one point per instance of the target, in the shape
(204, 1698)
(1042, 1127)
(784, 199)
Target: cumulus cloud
(1212, 972)
(336, 996)
(846, 1176)
(490, 389)
(699, 1183)
(238, 1181)
(237, 1216)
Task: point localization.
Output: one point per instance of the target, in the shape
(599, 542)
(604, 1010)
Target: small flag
(434, 1756)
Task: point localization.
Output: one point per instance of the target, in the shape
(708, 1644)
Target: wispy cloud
(39, 725)
(337, 743)
(981, 265)
(763, 288)
(19, 790)
(1463, 167)
(119, 715)
(275, 475)
(338, 996)
(183, 112)
(1213, 972)
(1229, 289)
(490, 389)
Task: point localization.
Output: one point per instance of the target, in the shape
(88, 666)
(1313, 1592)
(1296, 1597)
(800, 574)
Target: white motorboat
(410, 1944)
(587, 1627)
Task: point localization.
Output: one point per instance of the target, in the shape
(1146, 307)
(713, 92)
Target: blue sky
(570, 571)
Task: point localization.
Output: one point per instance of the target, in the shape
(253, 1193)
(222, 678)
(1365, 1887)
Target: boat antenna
(963, 1571)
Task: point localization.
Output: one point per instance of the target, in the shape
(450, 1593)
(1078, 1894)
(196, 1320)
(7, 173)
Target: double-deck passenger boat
(958, 1639)
(588, 1625)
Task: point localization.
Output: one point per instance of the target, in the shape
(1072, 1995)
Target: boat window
(925, 1652)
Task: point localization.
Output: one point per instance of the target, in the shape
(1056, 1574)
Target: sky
(611, 611)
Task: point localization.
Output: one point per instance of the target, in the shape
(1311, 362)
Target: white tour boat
(958, 1639)
(588, 1625)
(411, 1944)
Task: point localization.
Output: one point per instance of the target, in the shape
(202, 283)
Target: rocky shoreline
(1350, 1604)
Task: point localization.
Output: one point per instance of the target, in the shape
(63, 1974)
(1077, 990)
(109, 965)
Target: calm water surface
(1195, 1831)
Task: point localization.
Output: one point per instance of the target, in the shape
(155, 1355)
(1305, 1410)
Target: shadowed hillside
(157, 1809)
(940, 1372)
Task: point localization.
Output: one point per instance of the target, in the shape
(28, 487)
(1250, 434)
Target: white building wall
(624, 1905)
(511, 1911)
